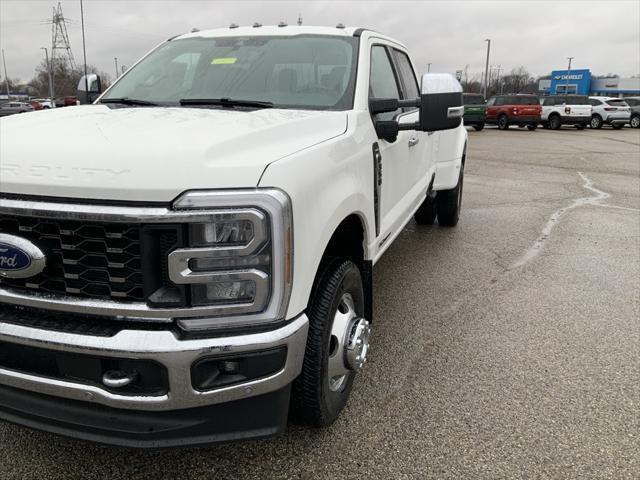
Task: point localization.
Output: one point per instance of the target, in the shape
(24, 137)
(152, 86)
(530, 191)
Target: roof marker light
(282, 24)
(340, 25)
(234, 25)
(257, 25)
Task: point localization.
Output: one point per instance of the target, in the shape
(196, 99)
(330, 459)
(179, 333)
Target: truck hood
(150, 153)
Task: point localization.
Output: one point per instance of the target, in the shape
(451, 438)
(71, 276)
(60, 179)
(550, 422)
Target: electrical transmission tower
(60, 38)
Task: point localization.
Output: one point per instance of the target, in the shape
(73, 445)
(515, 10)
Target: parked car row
(551, 112)
(10, 108)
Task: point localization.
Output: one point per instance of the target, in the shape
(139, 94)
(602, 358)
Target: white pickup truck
(196, 264)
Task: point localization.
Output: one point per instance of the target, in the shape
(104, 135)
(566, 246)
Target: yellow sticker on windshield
(223, 61)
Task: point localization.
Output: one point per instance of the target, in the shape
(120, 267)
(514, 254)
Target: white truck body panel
(151, 154)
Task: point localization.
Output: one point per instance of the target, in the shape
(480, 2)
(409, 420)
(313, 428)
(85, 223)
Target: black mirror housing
(440, 111)
(441, 103)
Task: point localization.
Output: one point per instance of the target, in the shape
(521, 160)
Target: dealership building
(582, 82)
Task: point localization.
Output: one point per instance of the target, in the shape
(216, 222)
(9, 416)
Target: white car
(609, 111)
(199, 259)
(558, 110)
(45, 102)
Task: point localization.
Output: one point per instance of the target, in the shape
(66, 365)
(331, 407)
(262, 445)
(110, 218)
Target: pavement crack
(555, 217)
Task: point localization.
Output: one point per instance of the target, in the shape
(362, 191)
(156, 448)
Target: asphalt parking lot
(508, 347)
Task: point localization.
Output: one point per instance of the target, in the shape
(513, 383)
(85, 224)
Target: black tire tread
(307, 392)
(447, 203)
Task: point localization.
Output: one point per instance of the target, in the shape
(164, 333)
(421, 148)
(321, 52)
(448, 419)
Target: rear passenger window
(595, 102)
(382, 79)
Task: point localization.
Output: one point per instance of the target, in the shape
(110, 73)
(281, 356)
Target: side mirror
(441, 104)
(89, 88)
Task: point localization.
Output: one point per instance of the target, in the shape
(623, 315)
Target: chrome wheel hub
(348, 343)
(358, 344)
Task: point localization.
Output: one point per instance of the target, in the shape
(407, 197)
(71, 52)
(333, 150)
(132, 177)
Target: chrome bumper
(165, 348)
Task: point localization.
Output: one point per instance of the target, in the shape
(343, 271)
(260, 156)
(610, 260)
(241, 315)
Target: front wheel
(532, 127)
(554, 122)
(617, 126)
(635, 121)
(479, 127)
(449, 203)
(580, 126)
(337, 345)
(596, 122)
(503, 122)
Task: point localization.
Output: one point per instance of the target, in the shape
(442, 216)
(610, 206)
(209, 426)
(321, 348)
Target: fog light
(210, 373)
(229, 367)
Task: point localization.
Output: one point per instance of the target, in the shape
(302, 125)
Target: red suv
(521, 110)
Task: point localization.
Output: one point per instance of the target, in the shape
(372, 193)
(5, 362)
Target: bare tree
(65, 78)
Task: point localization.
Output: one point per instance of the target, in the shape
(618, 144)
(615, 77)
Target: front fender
(326, 183)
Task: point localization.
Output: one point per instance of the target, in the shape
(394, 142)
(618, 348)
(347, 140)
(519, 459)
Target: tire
(580, 126)
(532, 127)
(449, 203)
(617, 126)
(503, 122)
(545, 125)
(478, 127)
(426, 213)
(313, 401)
(596, 122)
(554, 122)
(635, 121)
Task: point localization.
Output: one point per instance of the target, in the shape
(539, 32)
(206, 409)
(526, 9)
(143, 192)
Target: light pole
(84, 54)
(566, 85)
(115, 59)
(428, 67)
(46, 55)
(486, 68)
(6, 77)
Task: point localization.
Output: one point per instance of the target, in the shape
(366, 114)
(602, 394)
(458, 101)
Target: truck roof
(287, 30)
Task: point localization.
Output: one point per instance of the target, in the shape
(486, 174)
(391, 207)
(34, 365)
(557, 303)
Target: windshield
(305, 71)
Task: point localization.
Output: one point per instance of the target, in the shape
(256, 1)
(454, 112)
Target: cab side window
(407, 75)
(382, 79)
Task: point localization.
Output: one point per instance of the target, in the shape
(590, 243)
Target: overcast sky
(602, 35)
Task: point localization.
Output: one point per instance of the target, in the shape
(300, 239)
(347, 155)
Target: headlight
(238, 261)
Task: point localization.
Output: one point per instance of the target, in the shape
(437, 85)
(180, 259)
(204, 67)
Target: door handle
(413, 141)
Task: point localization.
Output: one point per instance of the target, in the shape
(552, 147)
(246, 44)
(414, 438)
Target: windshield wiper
(129, 101)
(226, 102)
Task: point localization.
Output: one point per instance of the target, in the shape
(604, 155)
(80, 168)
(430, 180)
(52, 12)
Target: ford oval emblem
(19, 258)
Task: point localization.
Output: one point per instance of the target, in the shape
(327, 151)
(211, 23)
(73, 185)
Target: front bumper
(164, 347)
(473, 119)
(250, 418)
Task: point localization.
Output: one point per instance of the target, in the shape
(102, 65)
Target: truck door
(399, 170)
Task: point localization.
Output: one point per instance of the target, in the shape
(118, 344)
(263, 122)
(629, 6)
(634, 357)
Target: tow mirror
(89, 88)
(440, 103)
